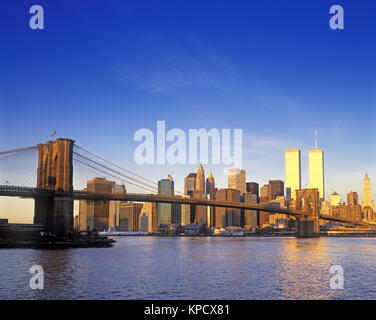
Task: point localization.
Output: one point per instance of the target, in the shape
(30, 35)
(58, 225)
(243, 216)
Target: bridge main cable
(18, 150)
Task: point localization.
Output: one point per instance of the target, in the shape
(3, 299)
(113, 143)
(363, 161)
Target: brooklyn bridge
(54, 193)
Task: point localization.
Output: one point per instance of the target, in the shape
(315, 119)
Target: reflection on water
(195, 268)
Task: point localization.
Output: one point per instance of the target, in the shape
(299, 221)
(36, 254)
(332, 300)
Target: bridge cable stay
(121, 168)
(109, 174)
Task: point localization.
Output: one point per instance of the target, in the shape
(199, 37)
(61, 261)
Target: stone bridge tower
(55, 173)
(307, 200)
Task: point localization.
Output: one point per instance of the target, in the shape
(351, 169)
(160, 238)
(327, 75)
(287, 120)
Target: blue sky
(101, 70)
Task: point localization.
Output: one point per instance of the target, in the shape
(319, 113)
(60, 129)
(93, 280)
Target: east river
(196, 268)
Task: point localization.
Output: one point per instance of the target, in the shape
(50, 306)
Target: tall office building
(276, 189)
(150, 210)
(292, 172)
(189, 190)
(114, 208)
(210, 185)
(316, 171)
(250, 216)
(200, 216)
(129, 216)
(367, 199)
(165, 188)
(236, 180)
(185, 213)
(225, 217)
(352, 198)
(95, 215)
(200, 181)
(253, 188)
(335, 199)
(190, 184)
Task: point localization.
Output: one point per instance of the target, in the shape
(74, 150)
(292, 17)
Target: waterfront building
(165, 188)
(250, 216)
(114, 208)
(225, 217)
(129, 216)
(292, 172)
(200, 217)
(150, 209)
(95, 214)
(189, 190)
(237, 180)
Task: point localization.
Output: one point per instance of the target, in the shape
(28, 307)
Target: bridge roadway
(29, 192)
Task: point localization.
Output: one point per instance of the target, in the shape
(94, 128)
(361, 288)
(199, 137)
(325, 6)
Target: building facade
(292, 172)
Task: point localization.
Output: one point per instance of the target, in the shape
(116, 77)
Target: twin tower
(293, 172)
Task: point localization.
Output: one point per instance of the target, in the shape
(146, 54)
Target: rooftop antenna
(315, 139)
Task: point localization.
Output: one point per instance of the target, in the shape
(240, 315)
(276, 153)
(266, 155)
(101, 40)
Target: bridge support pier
(307, 201)
(307, 227)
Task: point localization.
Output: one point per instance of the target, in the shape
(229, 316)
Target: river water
(196, 268)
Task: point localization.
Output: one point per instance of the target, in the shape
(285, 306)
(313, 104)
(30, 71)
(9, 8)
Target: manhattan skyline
(148, 63)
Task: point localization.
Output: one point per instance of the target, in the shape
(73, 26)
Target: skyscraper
(367, 200)
(165, 188)
(253, 188)
(292, 171)
(276, 188)
(200, 214)
(316, 171)
(210, 184)
(225, 217)
(190, 184)
(97, 213)
(335, 199)
(352, 198)
(129, 216)
(200, 181)
(189, 190)
(236, 180)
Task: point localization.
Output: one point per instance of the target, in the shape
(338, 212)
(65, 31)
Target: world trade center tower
(293, 172)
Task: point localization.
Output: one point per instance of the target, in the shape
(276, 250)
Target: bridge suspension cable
(17, 150)
(111, 175)
(121, 168)
(114, 171)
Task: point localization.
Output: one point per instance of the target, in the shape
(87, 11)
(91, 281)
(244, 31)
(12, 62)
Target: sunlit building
(335, 199)
(95, 214)
(292, 172)
(237, 180)
(225, 217)
(210, 185)
(276, 189)
(165, 188)
(129, 216)
(367, 200)
(316, 171)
